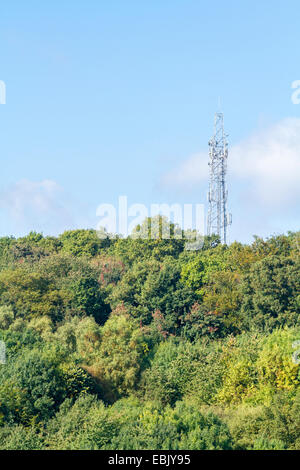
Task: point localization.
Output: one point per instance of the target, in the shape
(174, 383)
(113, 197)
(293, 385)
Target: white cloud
(42, 206)
(36, 205)
(39, 197)
(191, 171)
(268, 162)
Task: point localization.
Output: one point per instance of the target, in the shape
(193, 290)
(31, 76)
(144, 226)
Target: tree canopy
(138, 343)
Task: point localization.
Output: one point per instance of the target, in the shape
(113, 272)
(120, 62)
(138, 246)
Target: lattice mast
(218, 218)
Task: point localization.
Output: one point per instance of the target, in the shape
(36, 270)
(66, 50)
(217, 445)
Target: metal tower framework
(218, 218)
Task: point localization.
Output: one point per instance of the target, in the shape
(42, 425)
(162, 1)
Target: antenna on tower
(218, 218)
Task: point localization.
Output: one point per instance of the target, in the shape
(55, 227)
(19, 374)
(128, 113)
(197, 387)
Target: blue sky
(109, 98)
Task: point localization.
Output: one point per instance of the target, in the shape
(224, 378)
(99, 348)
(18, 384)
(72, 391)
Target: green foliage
(282, 420)
(203, 266)
(86, 424)
(87, 298)
(200, 322)
(110, 268)
(6, 317)
(275, 368)
(82, 242)
(270, 293)
(5, 244)
(30, 294)
(77, 381)
(122, 352)
(18, 339)
(31, 388)
(180, 428)
(150, 286)
(137, 343)
(19, 437)
(170, 372)
(155, 238)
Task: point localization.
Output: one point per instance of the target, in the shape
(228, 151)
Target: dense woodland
(134, 343)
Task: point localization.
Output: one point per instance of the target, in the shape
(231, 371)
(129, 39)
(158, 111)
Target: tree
(180, 428)
(122, 354)
(200, 321)
(82, 242)
(197, 272)
(270, 293)
(36, 388)
(152, 286)
(30, 294)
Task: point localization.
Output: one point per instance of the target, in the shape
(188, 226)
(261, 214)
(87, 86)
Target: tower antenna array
(218, 218)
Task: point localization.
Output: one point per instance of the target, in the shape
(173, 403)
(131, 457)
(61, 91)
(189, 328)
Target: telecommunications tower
(218, 218)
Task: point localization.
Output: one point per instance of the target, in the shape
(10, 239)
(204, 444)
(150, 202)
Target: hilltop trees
(137, 343)
(270, 293)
